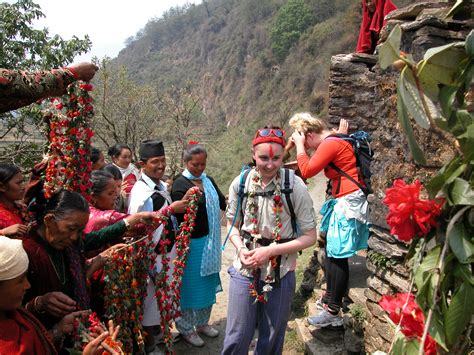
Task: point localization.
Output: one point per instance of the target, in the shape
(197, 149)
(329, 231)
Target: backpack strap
(342, 172)
(287, 190)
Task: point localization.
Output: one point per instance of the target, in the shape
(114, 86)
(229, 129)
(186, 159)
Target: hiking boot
(194, 339)
(208, 331)
(325, 319)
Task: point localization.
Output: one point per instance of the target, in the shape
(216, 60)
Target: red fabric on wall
(371, 25)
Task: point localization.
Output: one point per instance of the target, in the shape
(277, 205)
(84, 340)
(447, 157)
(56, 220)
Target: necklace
(62, 269)
(276, 236)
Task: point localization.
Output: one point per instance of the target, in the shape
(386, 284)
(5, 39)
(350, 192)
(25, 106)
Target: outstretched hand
(84, 71)
(343, 127)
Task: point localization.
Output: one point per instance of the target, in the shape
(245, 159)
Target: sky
(108, 23)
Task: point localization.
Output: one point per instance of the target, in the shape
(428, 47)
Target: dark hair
(95, 155)
(61, 204)
(100, 179)
(113, 170)
(193, 149)
(116, 149)
(7, 172)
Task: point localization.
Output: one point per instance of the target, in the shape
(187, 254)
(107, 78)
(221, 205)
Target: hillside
(224, 48)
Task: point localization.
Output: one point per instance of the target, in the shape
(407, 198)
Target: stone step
(333, 344)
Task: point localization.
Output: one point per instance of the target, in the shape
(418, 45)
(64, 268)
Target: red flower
(86, 87)
(409, 216)
(277, 199)
(402, 309)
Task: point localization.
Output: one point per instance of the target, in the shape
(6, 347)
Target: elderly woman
(344, 216)
(201, 279)
(20, 331)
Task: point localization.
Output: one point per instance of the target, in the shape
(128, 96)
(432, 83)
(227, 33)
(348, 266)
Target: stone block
(376, 310)
(314, 346)
(353, 342)
(392, 278)
(411, 11)
(386, 249)
(379, 286)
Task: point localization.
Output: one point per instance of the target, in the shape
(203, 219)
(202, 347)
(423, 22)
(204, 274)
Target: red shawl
(8, 217)
(22, 333)
(371, 25)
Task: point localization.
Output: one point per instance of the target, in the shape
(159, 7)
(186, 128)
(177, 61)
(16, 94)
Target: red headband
(269, 139)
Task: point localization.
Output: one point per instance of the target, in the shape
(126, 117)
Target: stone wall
(366, 96)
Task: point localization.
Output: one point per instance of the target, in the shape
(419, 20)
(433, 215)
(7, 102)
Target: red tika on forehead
(270, 151)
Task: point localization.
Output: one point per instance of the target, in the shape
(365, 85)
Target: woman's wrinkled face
(124, 158)
(12, 292)
(197, 164)
(14, 189)
(268, 158)
(62, 233)
(107, 199)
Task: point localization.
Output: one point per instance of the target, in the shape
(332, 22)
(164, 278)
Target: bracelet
(73, 72)
(36, 307)
(171, 210)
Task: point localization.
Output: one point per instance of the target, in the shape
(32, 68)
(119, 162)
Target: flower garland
(252, 204)
(168, 293)
(126, 286)
(88, 324)
(69, 140)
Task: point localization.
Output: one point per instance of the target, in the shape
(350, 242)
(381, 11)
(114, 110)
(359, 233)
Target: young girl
(12, 213)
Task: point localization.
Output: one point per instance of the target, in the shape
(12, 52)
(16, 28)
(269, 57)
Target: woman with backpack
(344, 215)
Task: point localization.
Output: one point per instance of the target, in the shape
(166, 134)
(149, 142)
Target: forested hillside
(251, 62)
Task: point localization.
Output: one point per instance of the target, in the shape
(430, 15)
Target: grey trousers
(243, 315)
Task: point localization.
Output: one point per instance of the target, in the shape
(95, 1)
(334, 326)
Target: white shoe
(208, 331)
(194, 339)
(325, 319)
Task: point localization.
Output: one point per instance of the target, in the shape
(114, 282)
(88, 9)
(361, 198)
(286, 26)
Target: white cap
(13, 258)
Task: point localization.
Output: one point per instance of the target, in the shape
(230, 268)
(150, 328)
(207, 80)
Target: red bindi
(270, 151)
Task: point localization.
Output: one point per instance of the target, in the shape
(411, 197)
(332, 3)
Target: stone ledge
(314, 346)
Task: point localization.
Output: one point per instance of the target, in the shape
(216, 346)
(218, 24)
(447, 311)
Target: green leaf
(446, 175)
(460, 244)
(399, 345)
(441, 63)
(466, 141)
(412, 347)
(459, 312)
(424, 294)
(463, 272)
(416, 151)
(446, 96)
(436, 329)
(389, 52)
(412, 99)
(460, 193)
(429, 262)
(470, 44)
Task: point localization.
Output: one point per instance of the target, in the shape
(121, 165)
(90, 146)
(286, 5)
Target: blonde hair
(304, 123)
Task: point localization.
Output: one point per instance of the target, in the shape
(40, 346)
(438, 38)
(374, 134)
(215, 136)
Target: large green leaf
(470, 44)
(459, 312)
(424, 294)
(446, 96)
(446, 175)
(441, 63)
(398, 345)
(464, 272)
(460, 193)
(416, 151)
(460, 243)
(429, 262)
(412, 99)
(466, 141)
(436, 329)
(390, 50)
(412, 347)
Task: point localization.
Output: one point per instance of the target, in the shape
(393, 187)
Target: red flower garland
(410, 216)
(403, 310)
(69, 141)
(168, 293)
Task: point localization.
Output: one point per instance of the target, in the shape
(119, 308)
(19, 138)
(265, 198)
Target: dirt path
(219, 311)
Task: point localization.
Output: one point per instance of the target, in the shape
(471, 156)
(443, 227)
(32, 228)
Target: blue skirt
(198, 291)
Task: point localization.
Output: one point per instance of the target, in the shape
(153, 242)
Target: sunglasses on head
(266, 132)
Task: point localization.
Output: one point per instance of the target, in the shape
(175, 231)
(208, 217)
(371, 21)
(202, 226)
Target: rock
(386, 249)
(353, 342)
(314, 346)
(326, 335)
(376, 310)
(396, 281)
(411, 11)
(383, 234)
(378, 285)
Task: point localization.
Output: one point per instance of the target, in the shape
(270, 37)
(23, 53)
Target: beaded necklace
(252, 203)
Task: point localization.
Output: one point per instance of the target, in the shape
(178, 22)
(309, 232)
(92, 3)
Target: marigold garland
(252, 204)
(69, 136)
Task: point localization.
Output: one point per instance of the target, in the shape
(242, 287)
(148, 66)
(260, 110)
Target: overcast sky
(108, 23)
